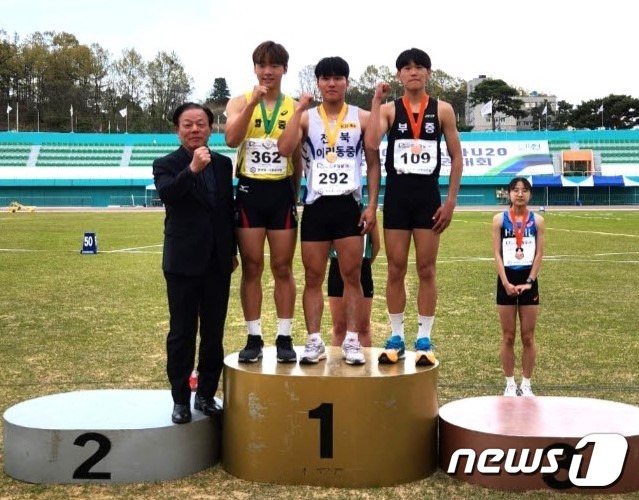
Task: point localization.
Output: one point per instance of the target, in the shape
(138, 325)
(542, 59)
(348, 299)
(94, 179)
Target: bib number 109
(415, 159)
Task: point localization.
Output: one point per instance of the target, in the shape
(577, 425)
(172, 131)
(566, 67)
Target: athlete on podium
(414, 124)
(266, 199)
(332, 138)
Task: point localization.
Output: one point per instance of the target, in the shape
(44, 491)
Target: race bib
(415, 156)
(333, 179)
(518, 256)
(263, 158)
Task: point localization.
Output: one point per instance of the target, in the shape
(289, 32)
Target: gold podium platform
(330, 424)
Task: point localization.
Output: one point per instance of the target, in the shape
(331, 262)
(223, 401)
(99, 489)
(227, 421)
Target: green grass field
(71, 322)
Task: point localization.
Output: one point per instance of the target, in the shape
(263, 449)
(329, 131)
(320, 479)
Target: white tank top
(341, 176)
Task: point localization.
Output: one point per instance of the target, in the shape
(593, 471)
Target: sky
(576, 51)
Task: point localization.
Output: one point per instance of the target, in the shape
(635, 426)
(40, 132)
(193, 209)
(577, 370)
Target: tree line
(59, 84)
(54, 83)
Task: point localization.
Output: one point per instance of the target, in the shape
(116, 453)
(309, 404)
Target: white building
(506, 123)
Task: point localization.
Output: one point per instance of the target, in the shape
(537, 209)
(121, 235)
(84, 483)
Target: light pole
(38, 127)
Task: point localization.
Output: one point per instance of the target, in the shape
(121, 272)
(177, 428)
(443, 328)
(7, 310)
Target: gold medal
(331, 156)
(416, 149)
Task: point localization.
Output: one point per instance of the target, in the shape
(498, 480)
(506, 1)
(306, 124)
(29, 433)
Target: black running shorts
(517, 277)
(268, 204)
(336, 285)
(331, 218)
(410, 201)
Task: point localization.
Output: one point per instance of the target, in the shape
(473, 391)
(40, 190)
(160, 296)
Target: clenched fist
(201, 158)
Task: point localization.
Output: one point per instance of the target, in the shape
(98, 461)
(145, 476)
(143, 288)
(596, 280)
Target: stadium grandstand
(580, 167)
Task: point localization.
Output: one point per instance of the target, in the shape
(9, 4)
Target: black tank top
(401, 129)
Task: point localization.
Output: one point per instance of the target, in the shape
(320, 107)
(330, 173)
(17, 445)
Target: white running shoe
(511, 391)
(313, 352)
(526, 391)
(352, 352)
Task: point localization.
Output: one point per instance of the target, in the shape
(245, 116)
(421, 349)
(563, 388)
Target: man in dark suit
(195, 185)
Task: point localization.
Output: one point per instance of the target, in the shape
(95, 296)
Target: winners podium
(330, 424)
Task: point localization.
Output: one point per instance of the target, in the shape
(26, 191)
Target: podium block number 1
(324, 413)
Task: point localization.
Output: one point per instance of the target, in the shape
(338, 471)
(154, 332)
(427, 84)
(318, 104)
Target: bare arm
(238, 116)
(539, 246)
(296, 128)
(297, 170)
(368, 219)
(379, 122)
(375, 240)
(444, 214)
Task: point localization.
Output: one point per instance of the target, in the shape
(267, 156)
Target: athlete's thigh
(507, 318)
(250, 242)
(349, 253)
(528, 318)
(426, 246)
(315, 258)
(281, 244)
(397, 244)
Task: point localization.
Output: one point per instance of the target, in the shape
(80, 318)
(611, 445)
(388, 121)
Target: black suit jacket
(198, 224)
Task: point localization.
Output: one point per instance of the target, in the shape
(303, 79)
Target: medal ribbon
(331, 135)
(416, 125)
(268, 124)
(519, 232)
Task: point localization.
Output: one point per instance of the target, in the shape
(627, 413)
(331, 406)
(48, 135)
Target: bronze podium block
(577, 445)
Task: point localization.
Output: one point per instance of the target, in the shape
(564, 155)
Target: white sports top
(342, 175)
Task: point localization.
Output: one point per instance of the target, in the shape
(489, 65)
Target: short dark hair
(332, 66)
(191, 105)
(523, 180)
(414, 56)
(270, 52)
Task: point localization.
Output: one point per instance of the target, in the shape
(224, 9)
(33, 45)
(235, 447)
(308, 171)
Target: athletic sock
(424, 326)
(351, 337)
(397, 324)
(254, 327)
(314, 337)
(284, 327)
(510, 380)
(525, 381)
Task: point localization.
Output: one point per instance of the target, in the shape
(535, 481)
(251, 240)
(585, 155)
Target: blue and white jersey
(342, 175)
(514, 256)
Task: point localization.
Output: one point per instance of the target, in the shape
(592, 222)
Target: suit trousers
(197, 299)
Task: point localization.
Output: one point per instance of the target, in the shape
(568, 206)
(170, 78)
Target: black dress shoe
(208, 406)
(181, 414)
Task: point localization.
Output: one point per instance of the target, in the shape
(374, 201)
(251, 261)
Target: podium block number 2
(104, 447)
(324, 413)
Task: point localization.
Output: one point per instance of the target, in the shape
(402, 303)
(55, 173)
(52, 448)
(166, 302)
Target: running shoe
(253, 350)
(313, 352)
(352, 352)
(424, 355)
(285, 351)
(394, 351)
